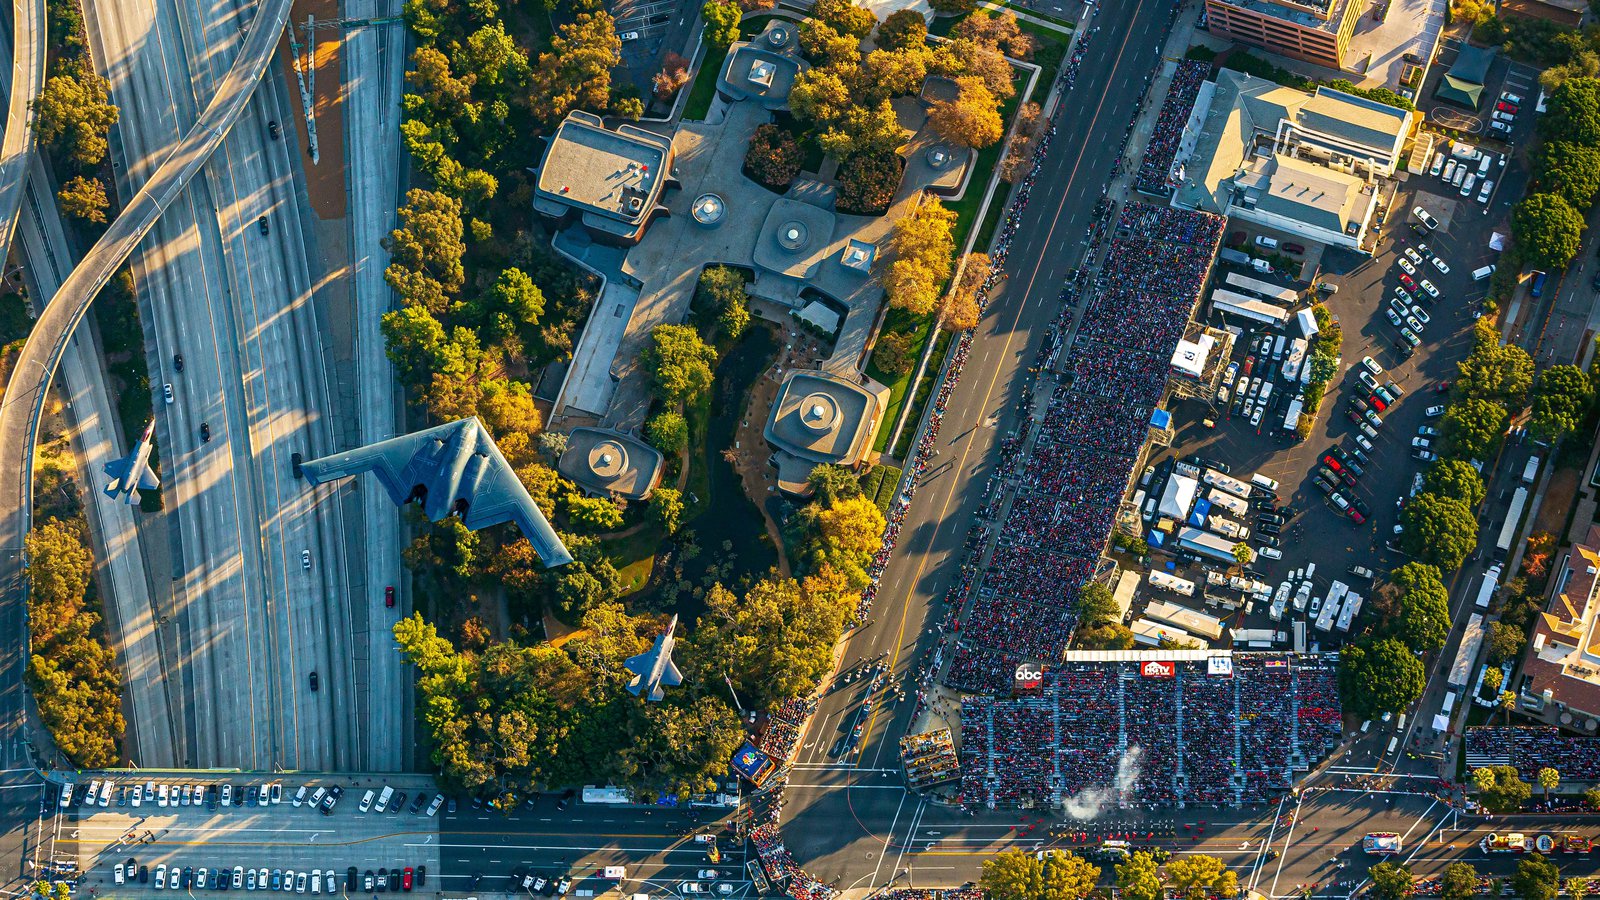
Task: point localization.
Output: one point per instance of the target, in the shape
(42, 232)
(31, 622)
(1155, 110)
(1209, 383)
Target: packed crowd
(932, 894)
(1070, 480)
(1158, 740)
(1531, 749)
(1155, 174)
(780, 865)
(782, 733)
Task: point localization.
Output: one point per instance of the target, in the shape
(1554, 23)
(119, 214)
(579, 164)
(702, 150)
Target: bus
(1513, 518)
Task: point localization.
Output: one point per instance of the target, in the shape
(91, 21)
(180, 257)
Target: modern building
(609, 180)
(819, 418)
(1463, 84)
(1561, 670)
(763, 69)
(610, 463)
(1305, 164)
(1316, 32)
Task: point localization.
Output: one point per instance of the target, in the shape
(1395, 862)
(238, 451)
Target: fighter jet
(131, 474)
(452, 470)
(653, 668)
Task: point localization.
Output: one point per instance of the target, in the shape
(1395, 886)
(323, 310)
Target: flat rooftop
(616, 174)
(1323, 16)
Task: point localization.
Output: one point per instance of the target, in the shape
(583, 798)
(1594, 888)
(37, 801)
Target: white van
(1266, 243)
(1481, 274)
(317, 795)
(300, 795)
(366, 802)
(1485, 164)
(1263, 482)
(384, 798)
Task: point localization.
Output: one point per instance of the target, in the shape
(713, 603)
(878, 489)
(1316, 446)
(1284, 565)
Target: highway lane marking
(890, 837)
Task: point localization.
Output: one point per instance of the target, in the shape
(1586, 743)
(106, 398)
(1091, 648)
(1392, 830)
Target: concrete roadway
(28, 36)
(844, 812)
(236, 304)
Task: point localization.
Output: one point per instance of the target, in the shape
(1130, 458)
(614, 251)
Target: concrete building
(820, 418)
(1566, 13)
(1316, 32)
(611, 463)
(763, 69)
(611, 181)
(1561, 669)
(1305, 164)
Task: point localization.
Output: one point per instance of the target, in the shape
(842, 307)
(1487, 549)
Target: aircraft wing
(385, 459)
(639, 665)
(502, 498)
(117, 468)
(148, 481)
(670, 676)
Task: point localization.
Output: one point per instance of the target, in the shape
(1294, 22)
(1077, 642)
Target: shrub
(867, 182)
(773, 158)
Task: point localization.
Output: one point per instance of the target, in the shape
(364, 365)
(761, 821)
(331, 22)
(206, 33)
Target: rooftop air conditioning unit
(635, 204)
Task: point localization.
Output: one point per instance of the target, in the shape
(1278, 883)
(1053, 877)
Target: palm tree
(1508, 702)
(1577, 888)
(1493, 679)
(1549, 779)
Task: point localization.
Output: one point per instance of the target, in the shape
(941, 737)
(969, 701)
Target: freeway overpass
(27, 77)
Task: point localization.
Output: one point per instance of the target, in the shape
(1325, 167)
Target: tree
(922, 246)
(1591, 799)
(1067, 876)
(493, 60)
(902, 30)
(1137, 878)
(972, 119)
(666, 508)
(722, 22)
(1500, 789)
(429, 241)
(1097, 605)
(1104, 637)
(1423, 618)
(73, 113)
(1439, 530)
(863, 128)
(1012, 875)
(685, 748)
(867, 183)
(1458, 881)
(773, 644)
(1577, 888)
(1002, 32)
(678, 361)
(1508, 702)
(722, 285)
(1378, 677)
(1536, 878)
(1473, 426)
(1505, 643)
(1455, 478)
(575, 73)
(1495, 371)
(1471, 12)
(850, 527)
(1392, 881)
(961, 310)
(594, 513)
(668, 432)
(1242, 553)
(1561, 397)
(832, 483)
(773, 158)
(844, 17)
(1573, 113)
(894, 354)
(953, 7)
(1569, 170)
(1197, 877)
(84, 198)
(1549, 779)
(672, 78)
(1548, 230)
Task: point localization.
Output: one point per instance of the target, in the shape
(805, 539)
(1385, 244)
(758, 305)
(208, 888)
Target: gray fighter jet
(452, 470)
(653, 668)
(131, 474)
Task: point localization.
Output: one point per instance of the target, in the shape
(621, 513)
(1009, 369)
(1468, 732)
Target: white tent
(1178, 498)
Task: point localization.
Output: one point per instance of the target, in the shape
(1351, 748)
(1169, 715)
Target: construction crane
(305, 65)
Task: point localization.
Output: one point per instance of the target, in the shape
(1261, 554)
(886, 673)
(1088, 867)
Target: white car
(1428, 431)
(1394, 317)
(1421, 443)
(1413, 255)
(1406, 266)
(1425, 456)
(1428, 286)
(1449, 170)
(1414, 324)
(163, 796)
(1270, 553)
(1363, 443)
(1485, 190)
(1433, 412)
(1411, 337)
(305, 563)
(166, 392)
(1421, 315)
(1441, 265)
(161, 877)
(1371, 365)
(1438, 163)
(1367, 379)
(1513, 99)
(628, 36)
(238, 877)
(316, 881)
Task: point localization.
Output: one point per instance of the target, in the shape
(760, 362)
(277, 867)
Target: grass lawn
(898, 320)
(705, 79)
(924, 390)
(1024, 11)
(634, 556)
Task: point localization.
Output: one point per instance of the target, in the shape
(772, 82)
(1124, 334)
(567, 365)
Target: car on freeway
(305, 559)
(261, 223)
(166, 392)
(272, 130)
(313, 680)
(388, 596)
(205, 432)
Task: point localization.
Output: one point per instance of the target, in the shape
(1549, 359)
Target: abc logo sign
(1029, 676)
(1156, 668)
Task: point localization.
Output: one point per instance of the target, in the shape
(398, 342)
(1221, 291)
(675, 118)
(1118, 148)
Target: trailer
(1190, 620)
(1347, 615)
(1486, 589)
(1232, 485)
(1263, 289)
(1227, 528)
(1229, 502)
(1170, 583)
(1297, 356)
(1508, 531)
(1530, 471)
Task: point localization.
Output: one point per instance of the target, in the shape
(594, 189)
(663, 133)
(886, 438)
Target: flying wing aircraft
(452, 470)
(131, 474)
(653, 668)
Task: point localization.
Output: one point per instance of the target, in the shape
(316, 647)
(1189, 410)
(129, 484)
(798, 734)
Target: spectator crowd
(1196, 737)
(1155, 174)
(1577, 758)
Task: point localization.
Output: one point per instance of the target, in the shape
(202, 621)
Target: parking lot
(280, 838)
(1313, 531)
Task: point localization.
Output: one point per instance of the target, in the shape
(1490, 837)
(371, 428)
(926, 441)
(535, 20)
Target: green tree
(1473, 427)
(668, 432)
(1549, 780)
(1439, 530)
(1067, 876)
(1200, 876)
(1242, 554)
(666, 508)
(1458, 881)
(722, 22)
(1097, 605)
(679, 362)
(73, 114)
(1137, 878)
(832, 483)
(773, 644)
(575, 73)
(493, 60)
(1591, 799)
(1536, 878)
(1380, 676)
(903, 29)
(84, 198)
(594, 513)
(685, 748)
(1568, 169)
(1012, 875)
(1573, 113)
(1500, 789)
(1548, 230)
(1577, 888)
(1392, 881)
(1495, 371)
(1455, 478)
(515, 294)
(429, 241)
(844, 17)
(1505, 642)
(1423, 618)
(1561, 397)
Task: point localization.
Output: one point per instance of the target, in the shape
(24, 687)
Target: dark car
(383, 879)
(272, 129)
(566, 798)
(261, 223)
(1291, 247)
(350, 876)
(399, 802)
(1269, 528)
(295, 459)
(388, 600)
(313, 681)
(205, 432)
(144, 874)
(422, 876)
(188, 877)
(450, 806)
(177, 361)
(417, 804)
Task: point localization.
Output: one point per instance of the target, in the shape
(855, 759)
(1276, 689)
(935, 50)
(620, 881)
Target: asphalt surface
(846, 815)
(28, 36)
